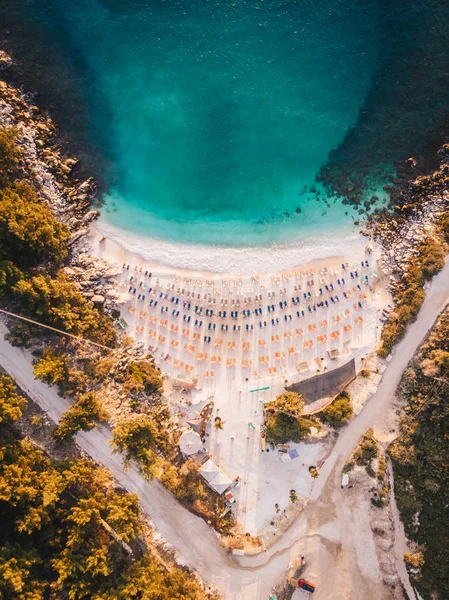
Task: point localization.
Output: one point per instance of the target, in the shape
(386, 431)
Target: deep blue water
(214, 118)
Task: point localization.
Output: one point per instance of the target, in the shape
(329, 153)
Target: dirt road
(251, 578)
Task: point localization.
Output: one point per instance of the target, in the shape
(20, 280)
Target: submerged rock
(5, 59)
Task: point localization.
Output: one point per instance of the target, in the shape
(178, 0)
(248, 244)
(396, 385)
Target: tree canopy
(63, 526)
(83, 415)
(11, 403)
(28, 230)
(289, 403)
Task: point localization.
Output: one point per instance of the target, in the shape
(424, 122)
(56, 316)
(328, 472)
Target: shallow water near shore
(215, 118)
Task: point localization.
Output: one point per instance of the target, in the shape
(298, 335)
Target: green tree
(57, 368)
(29, 483)
(28, 230)
(83, 415)
(11, 403)
(58, 303)
(17, 580)
(142, 376)
(10, 274)
(282, 428)
(137, 436)
(123, 515)
(339, 412)
(288, 403)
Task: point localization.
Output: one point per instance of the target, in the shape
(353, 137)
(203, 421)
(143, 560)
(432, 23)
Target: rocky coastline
(69, 198)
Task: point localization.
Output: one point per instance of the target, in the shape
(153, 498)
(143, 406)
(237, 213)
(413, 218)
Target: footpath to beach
(248, 578)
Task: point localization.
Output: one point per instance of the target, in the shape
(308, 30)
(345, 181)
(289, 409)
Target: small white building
(214, 477)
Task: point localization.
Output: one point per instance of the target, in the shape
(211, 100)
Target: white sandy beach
(226, 334)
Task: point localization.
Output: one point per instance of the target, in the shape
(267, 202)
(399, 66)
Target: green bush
(57, 302)
(289, 403)
(138, 436)
(366, 450)
(28, 230)
(282, 428)
(57, 368)
(83, 415)
(339, 412)
(410, 297)
(10, 155)
(142, 376)
(11, 403)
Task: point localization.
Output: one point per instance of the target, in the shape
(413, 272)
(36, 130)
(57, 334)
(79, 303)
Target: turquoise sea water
(214, 118)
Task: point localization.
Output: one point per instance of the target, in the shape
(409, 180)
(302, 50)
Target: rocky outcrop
(68, 198)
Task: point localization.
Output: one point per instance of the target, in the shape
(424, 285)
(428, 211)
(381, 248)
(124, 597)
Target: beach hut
(190, 443)
(195, 424)
(209, 470)
(220, 483)
(215, 478)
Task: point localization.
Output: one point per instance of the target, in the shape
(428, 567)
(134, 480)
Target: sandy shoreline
(218, 259)
(167, 259)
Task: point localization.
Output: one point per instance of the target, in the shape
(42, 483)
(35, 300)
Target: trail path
(248, 578)
(400, 545)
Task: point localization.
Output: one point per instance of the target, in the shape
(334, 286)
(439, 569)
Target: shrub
(28, 230)
(288, 403)
(282, 428)
(410, 297)
(142, 376)
(22, 334)
(11, 403)
(56, 368)
(339, 412)
(138, 436)
(83, 415)
(58, 303)
(366, 450)
(10, 155)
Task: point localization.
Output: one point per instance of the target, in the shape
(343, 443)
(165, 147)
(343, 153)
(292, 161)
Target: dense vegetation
(33, 246)
(410, 295)
(421, 463)
(66, 531)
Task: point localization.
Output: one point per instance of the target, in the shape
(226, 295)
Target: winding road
(242, 578)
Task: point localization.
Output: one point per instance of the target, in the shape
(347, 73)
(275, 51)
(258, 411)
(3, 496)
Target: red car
(305, 585)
